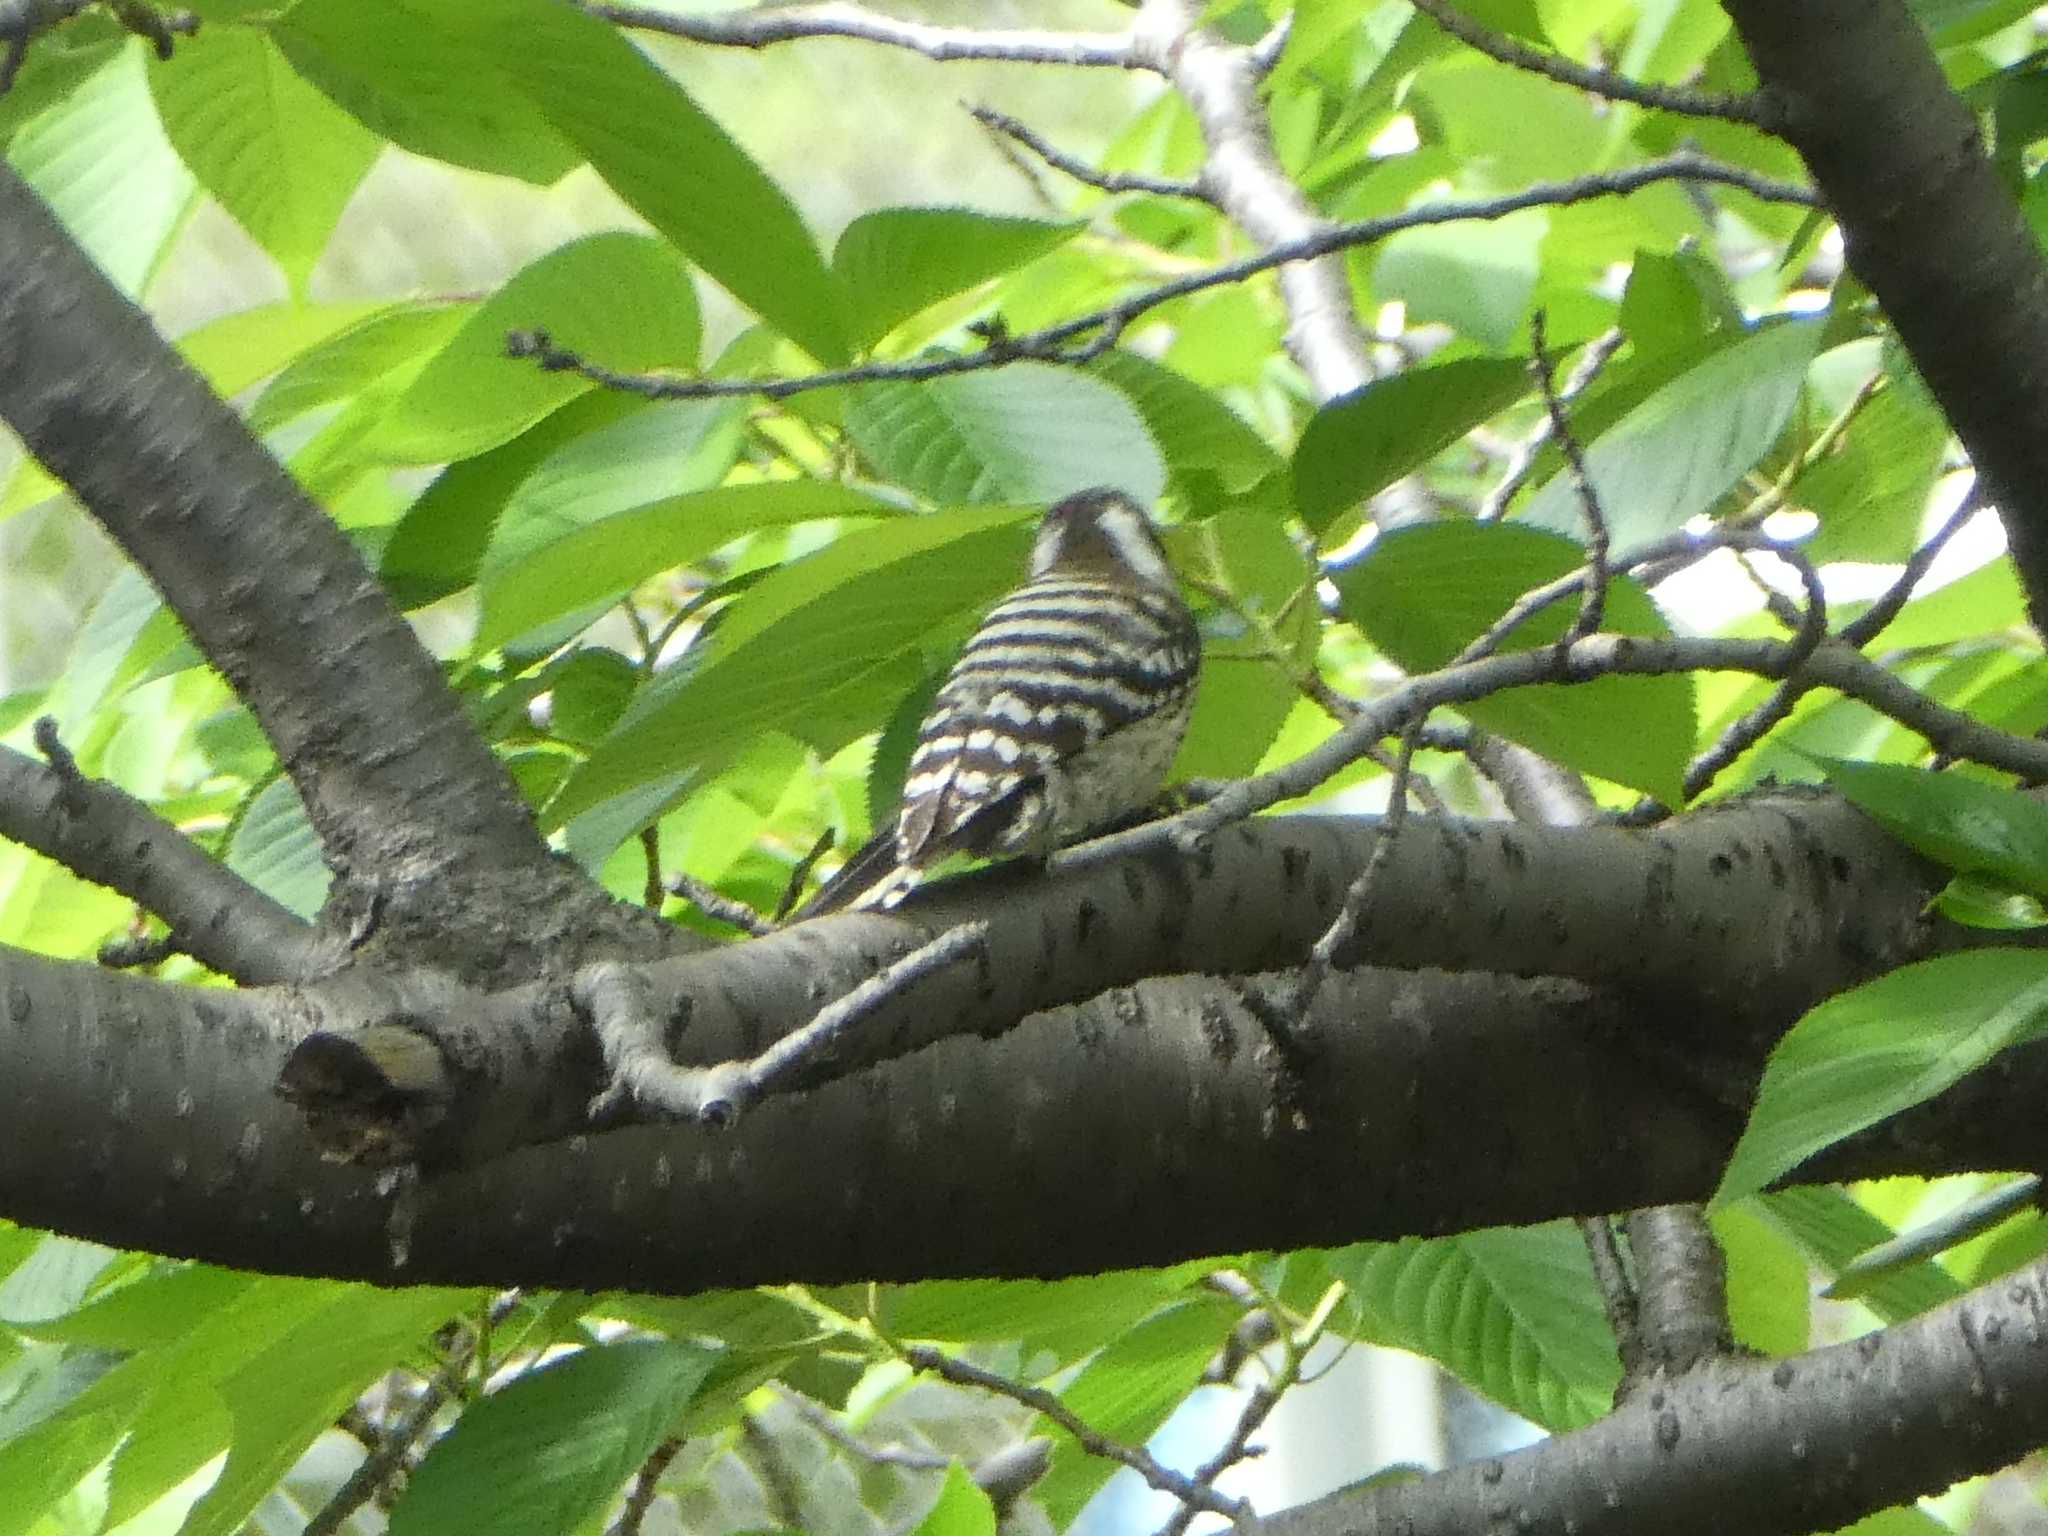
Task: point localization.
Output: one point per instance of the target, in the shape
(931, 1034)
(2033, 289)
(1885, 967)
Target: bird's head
(1100, 531)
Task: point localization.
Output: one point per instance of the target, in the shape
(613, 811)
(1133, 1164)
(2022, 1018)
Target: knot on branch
(372, 1097)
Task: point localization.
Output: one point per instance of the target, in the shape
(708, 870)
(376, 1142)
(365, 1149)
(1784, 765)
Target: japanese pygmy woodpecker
(1062, 715)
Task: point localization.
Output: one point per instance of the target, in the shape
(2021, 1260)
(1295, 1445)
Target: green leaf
(1963, 824)
(1361, 443)
(624, 298)
(1421, 594)
(1675, 455)
(1065, 1318)
(355, 358)
(1513, 1313)
(1768, 1305)
(1871, 493)
(284, 1398)
(821, 649)
(1126, 1393)
(236, 113)
(962, 1509)
(895, 262)
(1476, 278)
(272, 845)
(527, 86)
(1197, 433)
(1886, 1046)
(1030, 432)
(1979, 901)
(551, 1450)
(99, 158)
(440, 542)
(432, 89)
(605, 559)
(1831, 1226)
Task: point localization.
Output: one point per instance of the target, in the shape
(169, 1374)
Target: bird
(1061, 716)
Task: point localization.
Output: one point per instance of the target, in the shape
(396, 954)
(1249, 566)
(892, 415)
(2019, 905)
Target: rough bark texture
(1761, 1448)
(1929, 226)
(415, 816)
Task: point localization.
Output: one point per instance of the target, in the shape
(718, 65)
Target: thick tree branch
(1735, 920)
(1770, 1448)
(414, 814)
(1862, 97)
(107, 836)
(1241, 172)
(769, 25)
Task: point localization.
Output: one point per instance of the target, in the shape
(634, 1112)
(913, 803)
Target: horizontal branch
(769, 25)
(1142, 1127)
(1063, 343)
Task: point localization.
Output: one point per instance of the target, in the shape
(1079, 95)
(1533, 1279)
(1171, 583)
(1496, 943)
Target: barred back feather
(1063, 712)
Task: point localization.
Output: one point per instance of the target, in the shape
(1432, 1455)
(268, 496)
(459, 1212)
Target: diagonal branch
(416, 817)
(98, 831)
(1754, 110)
(1773, 1448)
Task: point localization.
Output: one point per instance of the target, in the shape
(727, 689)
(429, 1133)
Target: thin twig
(646, 1484)
(1593, 598)
(714, 903)
(769, 25)
(392, 1448)
(1080, 170)
(1617, 1291)
(828, 1424)
(1831, 665)
(801, 873)
(1163, 1478)
(618, 1000)
(1103, 327)
(1875, 619)
(1752, 109)
(1522, 461)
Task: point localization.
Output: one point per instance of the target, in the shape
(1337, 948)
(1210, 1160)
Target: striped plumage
(1062, 714)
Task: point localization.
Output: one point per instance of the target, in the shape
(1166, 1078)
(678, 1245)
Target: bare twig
(391, 1449)
(1343, 929)
(769, 25)
(1080, 170)
(1830, 665)
(714, 903)
(1062, 343)
(1752, 109)
(618, 1001)
(1522, 462)
(827, 1423)
(1165, 1479)
(105, 835)
(1593, 598)
(646, 1484)
(1873, 621)
(801, 872)
(1617, 1291)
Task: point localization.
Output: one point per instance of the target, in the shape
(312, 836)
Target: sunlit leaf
(1361, 443)
(1886, 1046)
(1423, 593)
(551, 1450)
(1675, 455)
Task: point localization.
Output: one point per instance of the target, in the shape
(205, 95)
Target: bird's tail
(872, 877)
